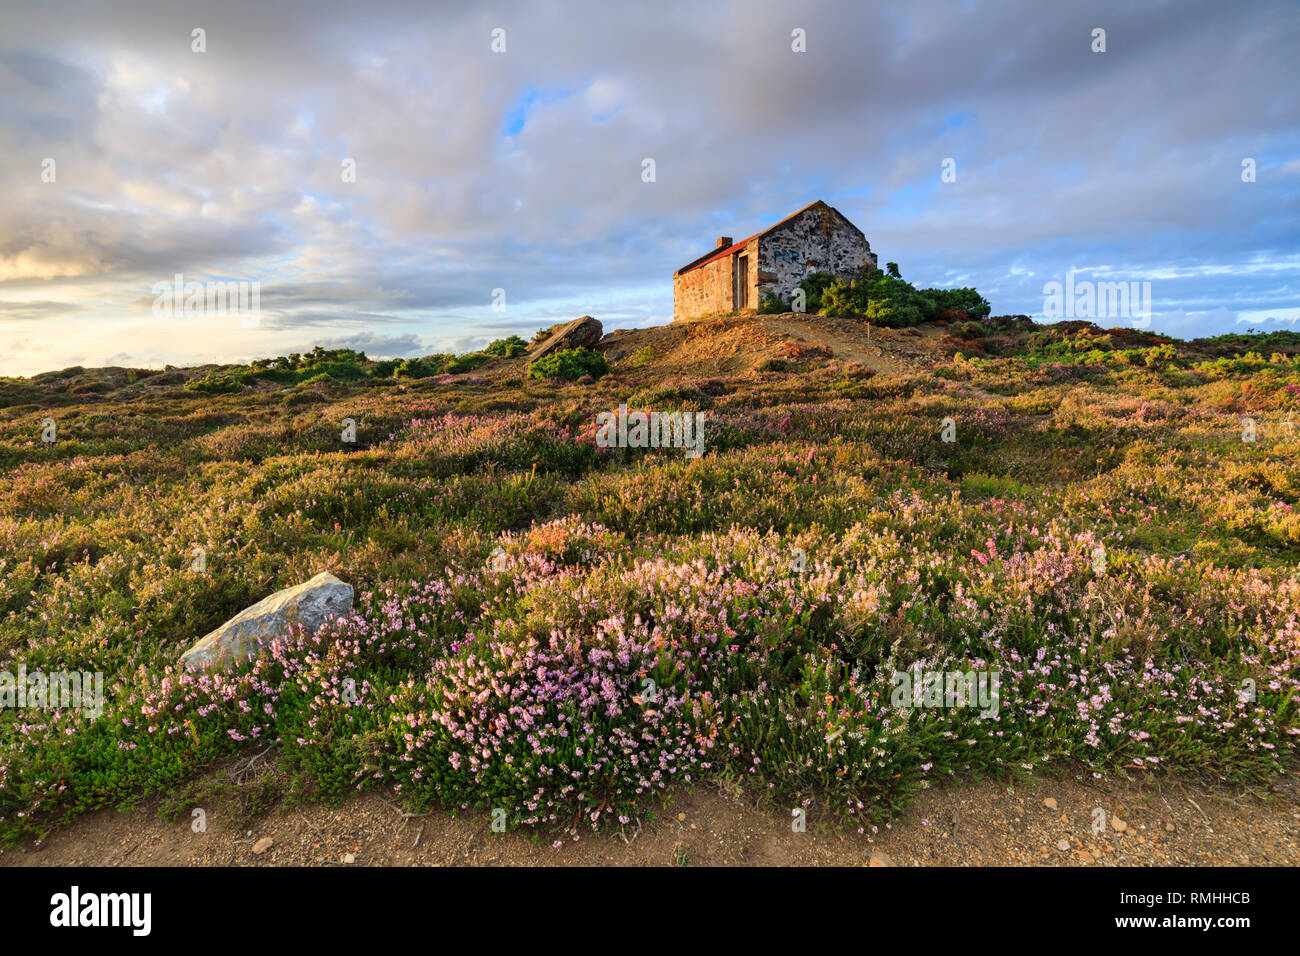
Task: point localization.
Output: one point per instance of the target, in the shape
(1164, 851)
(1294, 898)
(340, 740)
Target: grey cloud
(228, 162)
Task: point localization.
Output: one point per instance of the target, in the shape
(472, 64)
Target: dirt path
(970, 824)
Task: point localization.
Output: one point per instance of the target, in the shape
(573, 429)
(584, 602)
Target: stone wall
(709, 289)
(818, 239)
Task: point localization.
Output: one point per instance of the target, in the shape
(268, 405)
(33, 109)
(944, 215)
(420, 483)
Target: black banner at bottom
(333, 905)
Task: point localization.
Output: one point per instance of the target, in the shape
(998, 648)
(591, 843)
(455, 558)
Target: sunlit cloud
(476, 171)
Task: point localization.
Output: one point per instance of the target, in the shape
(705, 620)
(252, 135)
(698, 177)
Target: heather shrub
(215, 383)
(965, 300)
(875, 296)
(565, 631)
(507, 347)
(418, 367)
(569, 364)
(467, 362)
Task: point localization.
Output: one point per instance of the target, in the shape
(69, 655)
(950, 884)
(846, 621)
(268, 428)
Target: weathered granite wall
(818, 239)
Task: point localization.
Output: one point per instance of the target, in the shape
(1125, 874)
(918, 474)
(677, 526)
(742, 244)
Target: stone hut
(736, 276)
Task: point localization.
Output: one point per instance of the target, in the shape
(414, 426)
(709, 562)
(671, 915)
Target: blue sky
(521, 170)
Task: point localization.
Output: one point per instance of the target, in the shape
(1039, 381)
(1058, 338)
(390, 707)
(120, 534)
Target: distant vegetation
(346, 365)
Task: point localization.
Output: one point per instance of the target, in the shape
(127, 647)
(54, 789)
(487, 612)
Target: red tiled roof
(737, 246)
(734, 247)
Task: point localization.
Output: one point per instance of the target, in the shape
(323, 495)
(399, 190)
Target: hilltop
(730, 345)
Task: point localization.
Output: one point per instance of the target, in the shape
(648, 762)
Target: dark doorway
(742, 282)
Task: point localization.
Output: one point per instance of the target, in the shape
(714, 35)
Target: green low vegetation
(347, 365)
(1108, 519)
(569, 364)
(882, 298)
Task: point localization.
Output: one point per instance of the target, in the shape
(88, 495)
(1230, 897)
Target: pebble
(1169, 827)
(262, 845)
(1063, 845)
(1119, 825)
(880, 859)
(349, 858)
(1050, 803)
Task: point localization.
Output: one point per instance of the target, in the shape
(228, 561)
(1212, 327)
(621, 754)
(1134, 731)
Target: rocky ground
(1043, 823)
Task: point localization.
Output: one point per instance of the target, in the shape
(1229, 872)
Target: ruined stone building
(736, 276)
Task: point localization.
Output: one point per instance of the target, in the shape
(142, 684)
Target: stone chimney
(723, 242)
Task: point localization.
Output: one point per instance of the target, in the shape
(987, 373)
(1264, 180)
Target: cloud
(522, 170)
(375, 346)
(33, 310)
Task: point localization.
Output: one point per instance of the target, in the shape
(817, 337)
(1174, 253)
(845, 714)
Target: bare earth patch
(737, 344)
(1148, 823)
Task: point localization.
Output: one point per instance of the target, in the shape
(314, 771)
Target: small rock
(1050, 803)
(349, 858)
(262, 845)
(880, 859)
(1119, 825)
(582, 332)
(253, 629)
(681, 816)
(1063, 846)
(1169, 828)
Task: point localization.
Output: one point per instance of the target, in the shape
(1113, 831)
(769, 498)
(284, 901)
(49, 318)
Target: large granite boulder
(309, 604)
(581, 333)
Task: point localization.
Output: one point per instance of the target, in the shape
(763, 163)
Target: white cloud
(228, 162)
